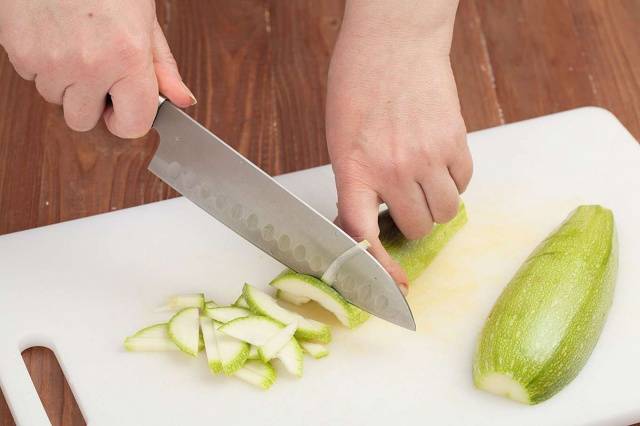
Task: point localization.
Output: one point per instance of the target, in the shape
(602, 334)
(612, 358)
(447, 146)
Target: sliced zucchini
(226, 314)
(184, 330)
(178, 302)
(322, 293)
(253, 353)
(291, 298)
(257, 373)
(548, 319)
(316, 350)
(156, 330)
(210, 304)
(416, 255)
(292, 357)
(271, 348)
(210, 344)
(256, 329)
(263, 304)
(241, 303)
(233, 352)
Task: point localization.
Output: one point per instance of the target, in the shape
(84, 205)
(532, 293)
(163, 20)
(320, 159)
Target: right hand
(80, 51)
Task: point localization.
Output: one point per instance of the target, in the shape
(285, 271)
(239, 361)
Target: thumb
(358, 217)
(170, 83)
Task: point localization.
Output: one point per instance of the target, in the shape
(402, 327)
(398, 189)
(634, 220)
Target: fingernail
(404, 288)
(193, 98)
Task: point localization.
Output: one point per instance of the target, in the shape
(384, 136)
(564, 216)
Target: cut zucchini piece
(257, 373)
(156, 330)
(263, 304)
(149, 344)
(210, 344)
(292, 298)
(416, 255)
(184, 330)
(241, 303)
(316, 350)
(322, 293)
(226, 314)
(547, 321)
(256, 330)
(292, 357)
(176, 303)
(270, 349)
(233, 352)
(253, 353)
(210, 304)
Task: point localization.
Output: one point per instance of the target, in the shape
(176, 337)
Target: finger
(134, 104)
(462, 169)
(169, 80)
(83, 105)
(22, 69)
(409, 210)
(358, 217)
(442, 195)
(51, 88)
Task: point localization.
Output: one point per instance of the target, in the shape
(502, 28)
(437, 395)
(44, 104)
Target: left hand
(395, 135)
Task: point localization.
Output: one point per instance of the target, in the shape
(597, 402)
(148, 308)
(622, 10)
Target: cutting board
(80, 287)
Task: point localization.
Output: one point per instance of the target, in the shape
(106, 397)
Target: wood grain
(258, 69)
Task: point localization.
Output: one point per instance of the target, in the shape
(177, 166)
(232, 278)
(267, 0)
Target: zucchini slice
(257, 373)
(291, 298)
(181, 301)
(548, 319)
(270, 349)
(210, 344)
(184, 330)
(316, 350)
(263, 304)
(227, 313)
(322, 293)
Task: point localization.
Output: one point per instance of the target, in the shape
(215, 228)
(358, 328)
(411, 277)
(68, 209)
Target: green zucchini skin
(548, 319)
(416, 255)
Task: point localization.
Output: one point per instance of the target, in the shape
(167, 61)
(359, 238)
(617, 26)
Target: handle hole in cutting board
(48, 379)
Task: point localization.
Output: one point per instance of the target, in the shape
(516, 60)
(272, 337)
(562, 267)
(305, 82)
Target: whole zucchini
(548, 319)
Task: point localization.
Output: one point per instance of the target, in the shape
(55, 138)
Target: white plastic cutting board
(80, 287)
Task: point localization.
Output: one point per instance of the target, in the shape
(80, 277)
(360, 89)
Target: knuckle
(130, 50)
(447, 211)
(418, 230)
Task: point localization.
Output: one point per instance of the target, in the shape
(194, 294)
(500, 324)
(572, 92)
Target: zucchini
(316, 350)
(270, 349)
(263, 304)
(257, 373)
(548, 319)
(226, 313)
(291, 298)
(184, 330)
(325, 295)
(181, 301)
(416, 255)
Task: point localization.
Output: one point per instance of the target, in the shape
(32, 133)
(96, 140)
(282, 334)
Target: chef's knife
(204, 169)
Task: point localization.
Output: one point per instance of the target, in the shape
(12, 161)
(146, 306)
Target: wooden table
(258, 69)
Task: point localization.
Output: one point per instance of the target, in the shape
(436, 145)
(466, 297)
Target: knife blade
(215, 177)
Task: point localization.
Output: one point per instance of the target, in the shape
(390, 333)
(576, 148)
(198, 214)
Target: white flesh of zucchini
(263, 304)
(226, 314)
(270, 349)
(181, 301)
(257, 373)
(184, 330)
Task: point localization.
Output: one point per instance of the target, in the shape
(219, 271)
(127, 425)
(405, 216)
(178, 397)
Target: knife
(215, 177)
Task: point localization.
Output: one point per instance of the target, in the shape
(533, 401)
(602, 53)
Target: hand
(395, 134)
(78, 51)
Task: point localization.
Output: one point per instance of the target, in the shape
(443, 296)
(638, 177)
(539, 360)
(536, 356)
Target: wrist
(426, 24)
